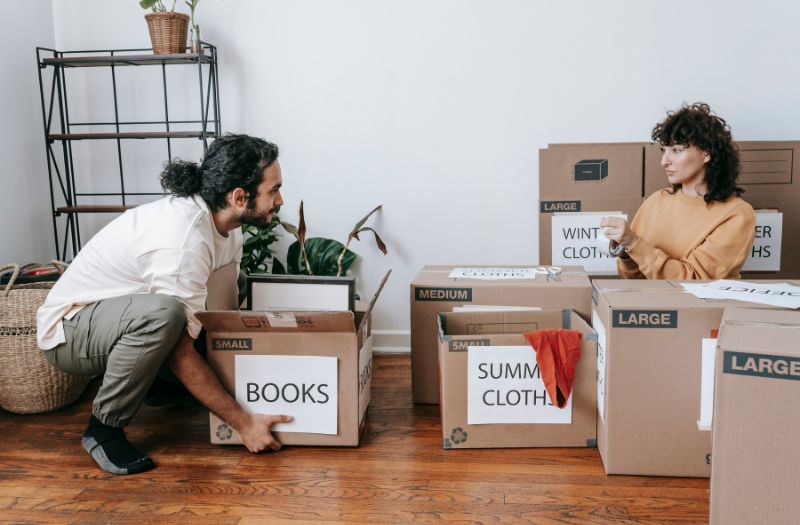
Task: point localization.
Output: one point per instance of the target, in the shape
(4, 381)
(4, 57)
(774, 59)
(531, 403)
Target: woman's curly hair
(696, 125)
(232, 161)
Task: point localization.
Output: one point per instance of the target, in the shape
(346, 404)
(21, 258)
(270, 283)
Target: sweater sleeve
(721, 255)
(627, 268)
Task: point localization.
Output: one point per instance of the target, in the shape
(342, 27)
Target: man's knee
(167, 312)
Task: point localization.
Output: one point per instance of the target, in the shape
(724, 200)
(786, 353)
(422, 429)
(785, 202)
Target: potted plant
(168, 28)
(306, 256)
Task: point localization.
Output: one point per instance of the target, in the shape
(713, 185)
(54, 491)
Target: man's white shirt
(170, 246)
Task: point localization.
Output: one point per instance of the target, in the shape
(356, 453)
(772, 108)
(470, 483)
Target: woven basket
(28, 383)
(168, 32)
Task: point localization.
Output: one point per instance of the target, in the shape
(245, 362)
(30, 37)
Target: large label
(644, 318)
(460, 295)
(305, 387)
(762, 365)
(578, 240)
(504, 385)
(765, 255)
(559, 206)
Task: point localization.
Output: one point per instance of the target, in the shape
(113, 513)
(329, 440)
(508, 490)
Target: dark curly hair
(696, 125)
(232, 161)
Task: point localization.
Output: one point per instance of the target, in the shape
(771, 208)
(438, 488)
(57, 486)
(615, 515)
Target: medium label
(644, 319)
(772, 366)
(463, 295)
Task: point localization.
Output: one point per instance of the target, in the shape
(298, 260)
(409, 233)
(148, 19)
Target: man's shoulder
(170, 222)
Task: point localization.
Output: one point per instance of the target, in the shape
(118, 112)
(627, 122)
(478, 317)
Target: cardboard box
(433, 291)
(649, 376)
(507, 405)
(756, 468)
(587, 178)
(288, 363)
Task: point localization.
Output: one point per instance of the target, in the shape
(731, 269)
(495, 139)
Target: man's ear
(237, 198)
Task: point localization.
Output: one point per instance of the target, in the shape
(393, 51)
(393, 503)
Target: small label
(644, 319)
(559, 206)
(762, 365)
(461, 295)
(463, 346)
(232, 343)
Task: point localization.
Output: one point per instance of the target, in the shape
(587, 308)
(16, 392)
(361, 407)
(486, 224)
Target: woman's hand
(617, 229)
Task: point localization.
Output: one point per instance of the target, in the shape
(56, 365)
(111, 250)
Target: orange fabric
(557, 354)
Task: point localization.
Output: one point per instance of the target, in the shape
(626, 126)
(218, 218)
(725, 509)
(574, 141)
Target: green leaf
(277, 267)
(323, 255)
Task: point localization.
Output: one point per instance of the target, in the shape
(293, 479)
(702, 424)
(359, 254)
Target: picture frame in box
(300, 292)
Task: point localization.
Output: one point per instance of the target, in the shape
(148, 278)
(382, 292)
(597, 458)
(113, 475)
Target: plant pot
(168, 32)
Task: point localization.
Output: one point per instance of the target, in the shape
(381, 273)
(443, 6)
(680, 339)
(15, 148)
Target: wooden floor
(400, 474)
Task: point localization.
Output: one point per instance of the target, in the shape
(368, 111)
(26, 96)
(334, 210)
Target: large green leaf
(323, 255)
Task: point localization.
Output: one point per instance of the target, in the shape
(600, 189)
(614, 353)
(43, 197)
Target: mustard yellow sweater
(680, 237)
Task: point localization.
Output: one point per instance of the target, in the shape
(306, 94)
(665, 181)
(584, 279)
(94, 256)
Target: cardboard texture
(459, 330)
(587, 178)
(755, 474)
(649, 338)
(223, 290)
(770, 176)
(342, 335)
(432, 291)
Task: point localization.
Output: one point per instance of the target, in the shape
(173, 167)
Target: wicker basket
(168, 32)
(28, 383)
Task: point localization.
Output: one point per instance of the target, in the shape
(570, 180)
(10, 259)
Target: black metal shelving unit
(59, 129)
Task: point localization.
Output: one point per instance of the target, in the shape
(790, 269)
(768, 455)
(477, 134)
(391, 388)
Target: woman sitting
(699, 228)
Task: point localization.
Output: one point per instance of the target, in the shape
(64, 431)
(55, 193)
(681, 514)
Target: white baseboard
(391, 341)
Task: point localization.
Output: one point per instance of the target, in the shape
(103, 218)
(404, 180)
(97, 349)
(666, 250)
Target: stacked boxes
(434, 291)
(492, 393)
(649, 376)
(755, 474)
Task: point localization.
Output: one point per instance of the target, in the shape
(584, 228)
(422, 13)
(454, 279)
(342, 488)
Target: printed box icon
(591, 170)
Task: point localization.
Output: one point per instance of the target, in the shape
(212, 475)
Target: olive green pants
(126, 340)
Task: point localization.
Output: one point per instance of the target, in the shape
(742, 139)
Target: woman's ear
(706, 157)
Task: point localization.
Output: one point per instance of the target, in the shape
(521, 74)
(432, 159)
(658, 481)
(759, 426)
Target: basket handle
(14, 275)
(61, 266)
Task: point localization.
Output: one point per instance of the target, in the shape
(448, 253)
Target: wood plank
(132, 135)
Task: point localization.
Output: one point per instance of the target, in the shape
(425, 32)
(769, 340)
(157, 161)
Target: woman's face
(685, 165)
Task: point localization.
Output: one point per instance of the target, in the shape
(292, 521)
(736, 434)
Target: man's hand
(255, 431)
(617, 229)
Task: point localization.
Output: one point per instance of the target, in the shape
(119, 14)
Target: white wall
(26, 232)
(437, 109)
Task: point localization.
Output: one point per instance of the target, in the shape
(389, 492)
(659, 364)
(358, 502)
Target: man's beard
(251, 217)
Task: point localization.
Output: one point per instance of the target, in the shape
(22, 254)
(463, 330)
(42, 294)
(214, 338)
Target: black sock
(112, 451)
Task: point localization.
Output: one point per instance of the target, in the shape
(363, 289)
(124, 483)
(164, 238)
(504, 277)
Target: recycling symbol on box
(224, 432)
(458, 436)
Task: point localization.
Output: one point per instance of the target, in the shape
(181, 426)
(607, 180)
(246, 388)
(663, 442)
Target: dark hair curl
(232, 161)
(696, 125)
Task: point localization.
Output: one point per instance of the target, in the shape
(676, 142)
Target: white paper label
(707, 364)
(281, 319)
(765, 255)
(364, 377)
(498, 274)
(774, 294)
(504, 386)
(578, 240)
(305, 387)
(601, 365)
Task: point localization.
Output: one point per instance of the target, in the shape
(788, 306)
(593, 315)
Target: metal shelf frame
(59, 134)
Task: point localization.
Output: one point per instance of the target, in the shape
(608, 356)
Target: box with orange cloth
(517, 379)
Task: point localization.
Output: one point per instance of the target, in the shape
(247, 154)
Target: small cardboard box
(502, 402)
(649, 376)
(315, 366)
(756, 467)
(433, 291)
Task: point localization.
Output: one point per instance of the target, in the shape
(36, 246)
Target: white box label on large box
(578, 240)
(707, 365)
(765, 255)
(305, 387)
(601, 365)
(504, 386)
